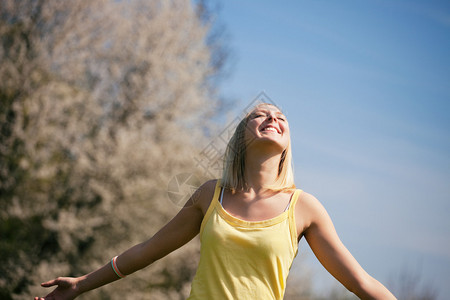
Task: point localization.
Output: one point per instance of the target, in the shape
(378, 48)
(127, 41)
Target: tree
(102, 102)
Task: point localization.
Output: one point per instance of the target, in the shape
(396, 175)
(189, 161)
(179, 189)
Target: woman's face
(267, 123)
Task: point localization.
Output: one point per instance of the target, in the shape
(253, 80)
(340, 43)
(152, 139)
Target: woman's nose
(272, 117)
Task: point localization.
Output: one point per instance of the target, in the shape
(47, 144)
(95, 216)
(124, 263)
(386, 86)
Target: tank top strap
(221, 196)
(212, 206)
(293, 201)
(292, 222)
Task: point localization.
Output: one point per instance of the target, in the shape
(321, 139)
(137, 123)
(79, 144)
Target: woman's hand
(66, 289)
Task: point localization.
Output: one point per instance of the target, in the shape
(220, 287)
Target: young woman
(249, 222)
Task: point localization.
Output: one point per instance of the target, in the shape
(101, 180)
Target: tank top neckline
(247, 223)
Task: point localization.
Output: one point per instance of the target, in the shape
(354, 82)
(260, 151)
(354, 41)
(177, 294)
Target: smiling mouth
(270, 129)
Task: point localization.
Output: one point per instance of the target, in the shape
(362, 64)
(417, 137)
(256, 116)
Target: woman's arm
(321, 236)
(180, 230)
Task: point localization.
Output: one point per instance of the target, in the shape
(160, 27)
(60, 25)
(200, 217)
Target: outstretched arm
(180, 230)
(321, 236)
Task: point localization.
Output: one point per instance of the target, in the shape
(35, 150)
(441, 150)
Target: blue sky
(366, 88)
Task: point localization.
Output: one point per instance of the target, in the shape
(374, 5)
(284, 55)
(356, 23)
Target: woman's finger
(50, 283)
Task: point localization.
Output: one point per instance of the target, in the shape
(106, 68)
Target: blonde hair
(234, 161)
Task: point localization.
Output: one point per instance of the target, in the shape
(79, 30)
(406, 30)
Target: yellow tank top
(244, 259)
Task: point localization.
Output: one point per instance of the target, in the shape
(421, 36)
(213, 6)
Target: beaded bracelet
(116, 269)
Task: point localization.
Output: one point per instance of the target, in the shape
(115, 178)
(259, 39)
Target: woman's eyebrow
(279, 113)
(259, 111)
(266, 111)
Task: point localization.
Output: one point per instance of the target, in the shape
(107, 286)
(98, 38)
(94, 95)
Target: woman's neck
(261, 170)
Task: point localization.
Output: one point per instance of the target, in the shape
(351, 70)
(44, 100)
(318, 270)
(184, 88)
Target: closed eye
(265, 115)
(259, 115)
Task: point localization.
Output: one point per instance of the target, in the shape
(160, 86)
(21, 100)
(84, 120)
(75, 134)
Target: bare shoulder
(308, 201)
(307, 211)
(203, 195)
